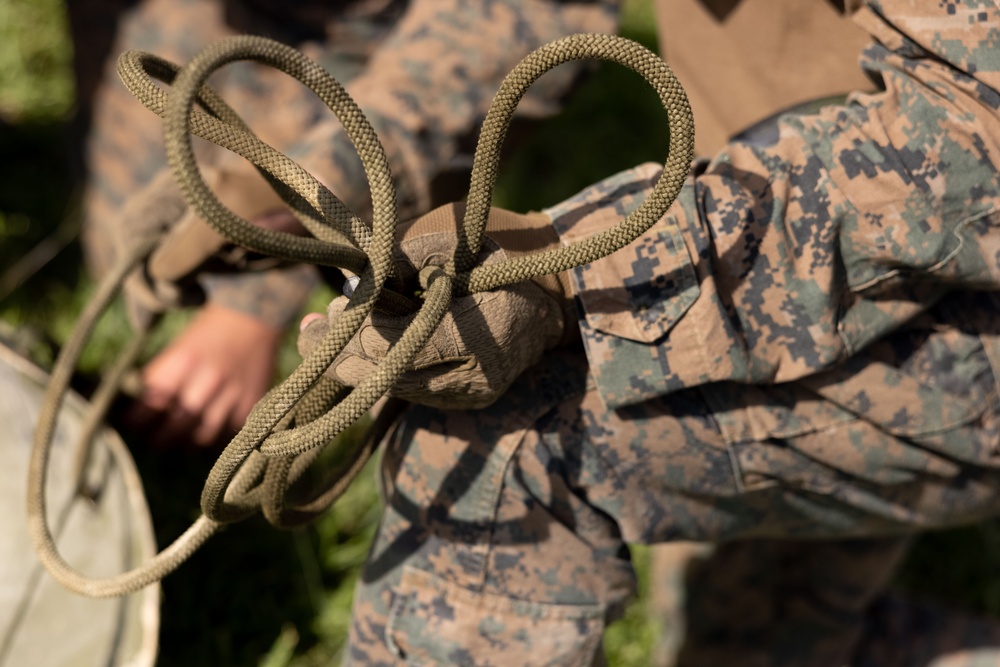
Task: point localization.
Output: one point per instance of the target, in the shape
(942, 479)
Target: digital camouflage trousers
(505, 531)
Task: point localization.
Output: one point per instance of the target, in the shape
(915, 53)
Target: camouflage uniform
(424, 72)
(804, 351)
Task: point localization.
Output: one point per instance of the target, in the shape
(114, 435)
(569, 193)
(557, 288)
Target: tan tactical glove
(485, 340)
(159, 207)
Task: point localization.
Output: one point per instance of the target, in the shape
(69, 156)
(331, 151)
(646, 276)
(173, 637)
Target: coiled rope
(287, 429)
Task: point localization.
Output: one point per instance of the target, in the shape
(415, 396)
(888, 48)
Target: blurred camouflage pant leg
(772, 602)
(766, 603)
(505, 529)
(900, 633)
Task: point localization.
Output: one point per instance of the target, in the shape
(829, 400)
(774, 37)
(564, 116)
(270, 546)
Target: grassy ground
(287, 602)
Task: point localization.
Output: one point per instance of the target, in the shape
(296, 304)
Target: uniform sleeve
(428, 86)
(800, 245)
(275, 296)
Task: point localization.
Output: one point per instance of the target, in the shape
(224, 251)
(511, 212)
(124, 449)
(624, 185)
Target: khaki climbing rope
(288, 428)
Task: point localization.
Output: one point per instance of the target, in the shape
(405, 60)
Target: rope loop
(289, 427)
(487, 159)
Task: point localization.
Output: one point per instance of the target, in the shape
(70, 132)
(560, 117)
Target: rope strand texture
(287, 428)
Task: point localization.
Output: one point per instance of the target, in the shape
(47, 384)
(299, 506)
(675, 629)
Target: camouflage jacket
(796, 247)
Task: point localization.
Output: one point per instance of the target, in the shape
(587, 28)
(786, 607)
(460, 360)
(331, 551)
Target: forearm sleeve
(799, 246)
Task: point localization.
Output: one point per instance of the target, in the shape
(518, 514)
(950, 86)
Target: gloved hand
(486, 340)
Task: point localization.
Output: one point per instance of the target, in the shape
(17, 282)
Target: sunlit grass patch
(36, 79)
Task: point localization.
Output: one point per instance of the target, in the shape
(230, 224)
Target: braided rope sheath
(287, 429)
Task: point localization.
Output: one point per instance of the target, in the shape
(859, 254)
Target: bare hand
(202, 387)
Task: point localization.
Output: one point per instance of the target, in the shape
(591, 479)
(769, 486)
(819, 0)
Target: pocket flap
(641, 291)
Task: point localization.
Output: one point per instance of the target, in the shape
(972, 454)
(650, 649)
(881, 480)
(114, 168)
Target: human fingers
(207, 395)
(217, 418)
(162, 379)
(194, 397)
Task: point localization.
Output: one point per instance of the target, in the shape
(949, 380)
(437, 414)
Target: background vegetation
(288, 601)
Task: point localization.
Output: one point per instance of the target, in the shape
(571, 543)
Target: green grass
(254, 595)
(36, 82)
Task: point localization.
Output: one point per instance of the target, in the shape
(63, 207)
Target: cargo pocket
(641, 291)
(631, 300)
(434, 622)
(758, 423)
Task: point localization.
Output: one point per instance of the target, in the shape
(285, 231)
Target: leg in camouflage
(772, 602)
(505, 529)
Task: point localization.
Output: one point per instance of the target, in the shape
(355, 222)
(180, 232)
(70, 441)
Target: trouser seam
(489, 503)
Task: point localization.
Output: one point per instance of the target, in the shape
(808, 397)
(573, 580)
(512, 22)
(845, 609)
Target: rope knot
(291, 425)
(430, 274)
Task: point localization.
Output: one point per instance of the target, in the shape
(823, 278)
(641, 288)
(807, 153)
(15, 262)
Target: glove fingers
(311, 334)
(377, 335)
